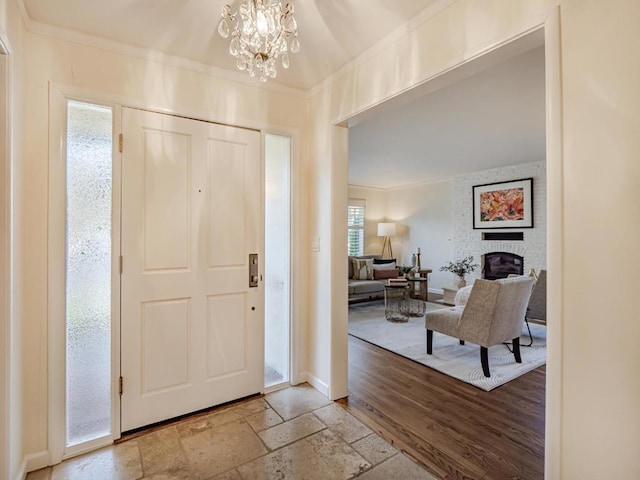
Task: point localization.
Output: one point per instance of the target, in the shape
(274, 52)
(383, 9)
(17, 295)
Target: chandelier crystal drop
(262, 31)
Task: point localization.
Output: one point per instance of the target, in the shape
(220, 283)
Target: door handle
(254, 273)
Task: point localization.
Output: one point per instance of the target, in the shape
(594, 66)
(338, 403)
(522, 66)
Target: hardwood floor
(454, 429)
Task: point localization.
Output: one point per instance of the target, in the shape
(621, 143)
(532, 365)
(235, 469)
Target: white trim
(56, 292)
(23, 13)
(291, 284)
(31, 463)
(296, 300)
(276, 387)
(56, 275)
(441, 76)
(89, 446)
(116, 251)
(338, 267)
(555, 245)
(5, 255)
(405, 29)
(315, 382)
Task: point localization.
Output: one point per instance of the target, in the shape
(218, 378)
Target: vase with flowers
(460, 268)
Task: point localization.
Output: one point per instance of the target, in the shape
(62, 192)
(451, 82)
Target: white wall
(424, 213)
(601, 210)
(11, 372)
(468, 241)
(593, 423)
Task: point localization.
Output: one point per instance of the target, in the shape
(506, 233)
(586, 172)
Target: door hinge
(121, 264)
(120, 142)
(120, 385)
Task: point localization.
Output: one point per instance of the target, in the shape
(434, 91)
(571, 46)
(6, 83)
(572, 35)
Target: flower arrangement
(460, 267)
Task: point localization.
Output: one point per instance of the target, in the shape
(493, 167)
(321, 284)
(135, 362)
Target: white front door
(192, 328)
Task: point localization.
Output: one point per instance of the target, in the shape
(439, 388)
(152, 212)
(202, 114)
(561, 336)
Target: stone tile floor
(291, 434)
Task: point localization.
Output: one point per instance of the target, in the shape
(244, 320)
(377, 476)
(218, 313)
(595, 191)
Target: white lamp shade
(386, 229)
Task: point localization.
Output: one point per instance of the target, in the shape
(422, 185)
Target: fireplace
(497, 265)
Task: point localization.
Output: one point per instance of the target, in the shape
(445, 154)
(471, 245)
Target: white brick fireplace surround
(467, 241)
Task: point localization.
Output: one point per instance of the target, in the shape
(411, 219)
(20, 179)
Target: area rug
(367, 322)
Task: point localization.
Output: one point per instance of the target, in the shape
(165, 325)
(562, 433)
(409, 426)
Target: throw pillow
(385, 274)
(363, 269)
(382, 261)
(385, 266)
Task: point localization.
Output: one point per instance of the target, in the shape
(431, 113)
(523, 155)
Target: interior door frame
(58, 93)
(5, 252)
(296, 279)
(56, 268)
(551, 29)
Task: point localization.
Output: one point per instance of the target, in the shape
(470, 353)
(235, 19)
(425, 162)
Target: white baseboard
(315, 382)
(31, 463)
(436, 290)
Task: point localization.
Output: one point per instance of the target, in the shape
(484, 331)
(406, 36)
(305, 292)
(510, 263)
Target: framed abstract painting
(503, 204)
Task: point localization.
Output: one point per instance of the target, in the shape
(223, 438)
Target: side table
(394, 298)
(449, 294)
(405, 299)
(415, 303)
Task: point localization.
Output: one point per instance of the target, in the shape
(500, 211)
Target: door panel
(228, 220)
(167, 188)
(192, 329)
(224, 337)
(165, 345)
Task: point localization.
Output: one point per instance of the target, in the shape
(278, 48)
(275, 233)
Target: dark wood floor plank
(455, 430)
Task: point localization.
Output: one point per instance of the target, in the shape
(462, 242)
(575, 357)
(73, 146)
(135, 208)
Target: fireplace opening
(496, 265)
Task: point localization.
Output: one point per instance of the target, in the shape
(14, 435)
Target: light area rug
(367, 322)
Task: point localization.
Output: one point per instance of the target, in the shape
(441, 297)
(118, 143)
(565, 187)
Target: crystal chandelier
(260, 31)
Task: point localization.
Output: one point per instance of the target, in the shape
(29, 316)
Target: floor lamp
(387, 230)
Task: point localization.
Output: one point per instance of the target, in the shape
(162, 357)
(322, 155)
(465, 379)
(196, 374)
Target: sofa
(370, 289)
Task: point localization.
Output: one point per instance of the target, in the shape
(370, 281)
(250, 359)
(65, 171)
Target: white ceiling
(490, 119)
(331, 32)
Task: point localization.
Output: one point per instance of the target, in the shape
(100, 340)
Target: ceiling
(331, 32)
(490, 119)
(474, 122)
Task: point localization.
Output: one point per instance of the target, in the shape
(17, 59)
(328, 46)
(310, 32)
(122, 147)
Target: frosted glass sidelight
(277, 258)
(88, 272)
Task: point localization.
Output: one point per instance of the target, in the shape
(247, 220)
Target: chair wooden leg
(461, 342)
(484, 359)
(516, 350)
(429, 341)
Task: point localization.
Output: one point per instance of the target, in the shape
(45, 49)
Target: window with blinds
(355, 219)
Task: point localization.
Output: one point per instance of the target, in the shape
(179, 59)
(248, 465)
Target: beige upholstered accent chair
(537, 309)
(494, 313)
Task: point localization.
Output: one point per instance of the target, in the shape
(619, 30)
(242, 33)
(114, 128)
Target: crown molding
(368, 187)
(157, 56)
(384, 43)
(150, 55)
(23, 13)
